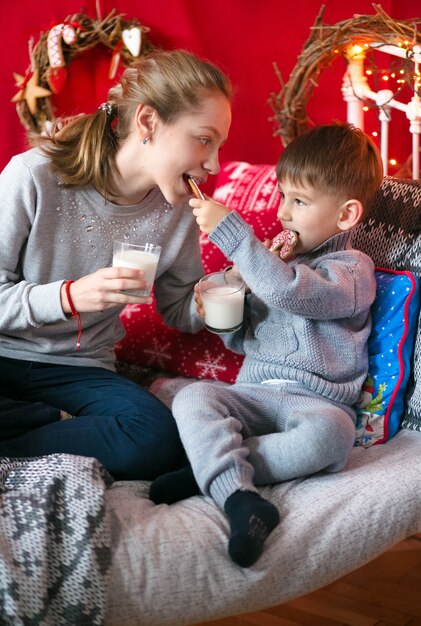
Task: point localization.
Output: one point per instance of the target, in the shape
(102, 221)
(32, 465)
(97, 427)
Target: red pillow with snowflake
(252, 191)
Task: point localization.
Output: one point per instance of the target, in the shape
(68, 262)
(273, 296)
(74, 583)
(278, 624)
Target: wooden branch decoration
(325, 44)
(59, 46)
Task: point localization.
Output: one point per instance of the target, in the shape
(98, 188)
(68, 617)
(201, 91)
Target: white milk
(224, 307)
(138, 259)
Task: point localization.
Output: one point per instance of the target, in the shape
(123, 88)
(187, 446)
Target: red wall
(244, 37)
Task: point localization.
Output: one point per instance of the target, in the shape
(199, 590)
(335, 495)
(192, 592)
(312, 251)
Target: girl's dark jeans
(132, 433)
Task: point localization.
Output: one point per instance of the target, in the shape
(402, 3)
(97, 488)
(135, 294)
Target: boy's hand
(199, 304)
(208, 213)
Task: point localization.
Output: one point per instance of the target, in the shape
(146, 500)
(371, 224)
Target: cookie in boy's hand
(284, 243)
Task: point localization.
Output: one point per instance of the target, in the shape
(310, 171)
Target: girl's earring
(145, 141)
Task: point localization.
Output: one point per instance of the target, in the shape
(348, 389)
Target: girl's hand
(208, 213)
(199, 304)
(102, 290)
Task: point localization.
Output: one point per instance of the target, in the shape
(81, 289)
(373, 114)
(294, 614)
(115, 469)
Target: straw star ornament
(29, 90)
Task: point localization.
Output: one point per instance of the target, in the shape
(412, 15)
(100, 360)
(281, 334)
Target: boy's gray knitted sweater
(50, 233)
(306, 320)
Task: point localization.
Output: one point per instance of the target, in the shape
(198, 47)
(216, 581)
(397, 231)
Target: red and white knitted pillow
(252, 191)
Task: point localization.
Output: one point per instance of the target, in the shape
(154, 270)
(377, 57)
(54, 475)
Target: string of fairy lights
(400, 75)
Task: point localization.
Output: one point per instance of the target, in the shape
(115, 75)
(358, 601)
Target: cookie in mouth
(193, 187)
(284, 243)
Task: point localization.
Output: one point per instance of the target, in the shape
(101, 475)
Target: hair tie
(108, 108)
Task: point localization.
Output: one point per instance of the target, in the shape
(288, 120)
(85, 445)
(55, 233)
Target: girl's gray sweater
(50, 233)
(306, 320)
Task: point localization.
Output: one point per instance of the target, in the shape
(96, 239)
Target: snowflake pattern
(267, 188)
(210, 366)
(222, 193)
(131, 311)
(260, 205)
(158, 354)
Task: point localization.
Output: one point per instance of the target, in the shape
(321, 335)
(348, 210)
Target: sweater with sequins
(51, 233)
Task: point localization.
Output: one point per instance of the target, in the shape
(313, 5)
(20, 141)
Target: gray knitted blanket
(54, 541)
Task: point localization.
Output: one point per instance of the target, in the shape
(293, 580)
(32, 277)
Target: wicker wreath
(325, 44)
(58, 47)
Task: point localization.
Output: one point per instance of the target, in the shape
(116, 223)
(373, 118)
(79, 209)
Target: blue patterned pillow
(380, 406)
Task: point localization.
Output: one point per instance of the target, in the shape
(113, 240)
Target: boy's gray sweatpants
(240, 436)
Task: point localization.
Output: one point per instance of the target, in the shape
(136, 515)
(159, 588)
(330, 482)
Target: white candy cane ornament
(55, 52)
(56, 73)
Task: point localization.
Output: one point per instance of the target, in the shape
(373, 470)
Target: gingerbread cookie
(284, 243)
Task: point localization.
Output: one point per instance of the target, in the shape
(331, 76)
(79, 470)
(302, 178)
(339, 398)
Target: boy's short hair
(339, 159)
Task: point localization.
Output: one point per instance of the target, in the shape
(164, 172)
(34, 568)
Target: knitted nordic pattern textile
(391, 236)
(54, 541)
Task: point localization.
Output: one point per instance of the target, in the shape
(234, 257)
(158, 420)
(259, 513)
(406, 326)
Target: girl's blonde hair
(338, 159)
(173, 83)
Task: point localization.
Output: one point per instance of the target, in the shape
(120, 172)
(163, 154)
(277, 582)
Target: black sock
(174, 486)
(252, 519)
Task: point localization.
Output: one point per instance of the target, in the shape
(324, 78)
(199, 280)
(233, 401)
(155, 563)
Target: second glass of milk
(143, 257)
(223, 300)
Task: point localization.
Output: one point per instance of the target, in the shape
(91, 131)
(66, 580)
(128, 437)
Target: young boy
(307, 321)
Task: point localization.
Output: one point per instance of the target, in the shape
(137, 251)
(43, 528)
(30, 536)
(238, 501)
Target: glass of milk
(143, 257)
(223, 300)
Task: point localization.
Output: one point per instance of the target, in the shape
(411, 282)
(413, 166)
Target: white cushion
(170, 564)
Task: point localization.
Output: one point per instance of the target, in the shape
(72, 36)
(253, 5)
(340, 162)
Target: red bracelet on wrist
(75, 314)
